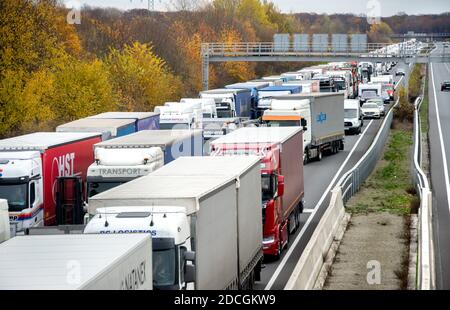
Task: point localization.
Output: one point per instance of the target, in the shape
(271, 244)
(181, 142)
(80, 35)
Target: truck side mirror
(280, 189)
(189, 256)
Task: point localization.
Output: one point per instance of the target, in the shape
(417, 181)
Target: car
(380, 103)
(445, 86)
(370, 110)
(400, 72)
(367, 95)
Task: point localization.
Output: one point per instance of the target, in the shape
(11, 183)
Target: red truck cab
(281, 153)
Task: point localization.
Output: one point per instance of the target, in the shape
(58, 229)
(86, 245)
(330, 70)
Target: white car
(380, 103)
(370, 110)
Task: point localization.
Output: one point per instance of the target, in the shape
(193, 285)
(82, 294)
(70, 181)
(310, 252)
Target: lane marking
(316, 208)
(441, 139)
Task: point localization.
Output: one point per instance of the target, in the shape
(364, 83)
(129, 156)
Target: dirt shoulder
(376, 244)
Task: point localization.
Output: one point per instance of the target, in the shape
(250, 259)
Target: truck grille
(348, 124)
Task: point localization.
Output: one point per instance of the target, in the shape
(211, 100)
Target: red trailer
(41, 171)
(281, 152)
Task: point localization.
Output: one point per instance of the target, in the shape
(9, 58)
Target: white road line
(444, 155)
(316, 208)
(398, 83)
(447, 67)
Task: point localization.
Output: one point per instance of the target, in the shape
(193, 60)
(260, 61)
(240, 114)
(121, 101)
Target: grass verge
(389, 189)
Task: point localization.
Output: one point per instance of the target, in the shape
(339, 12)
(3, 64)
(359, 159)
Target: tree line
(53, 72)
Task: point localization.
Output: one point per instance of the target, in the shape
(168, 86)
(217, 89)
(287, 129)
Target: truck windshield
(96, 188)
(283, 123)
(351, 113)
(169, 126)
(340, 84)
(164, 264)
(224, 113)
(16, 194)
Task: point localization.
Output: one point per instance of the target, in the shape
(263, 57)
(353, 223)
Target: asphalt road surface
(320, 178)
(439, 135)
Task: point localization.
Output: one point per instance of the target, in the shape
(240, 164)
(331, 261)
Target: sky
(384, 7)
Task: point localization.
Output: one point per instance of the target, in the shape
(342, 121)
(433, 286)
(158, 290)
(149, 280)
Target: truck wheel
(319, 155)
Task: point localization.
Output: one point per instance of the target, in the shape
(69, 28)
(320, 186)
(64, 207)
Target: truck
(209, 109)
(142, 120)
(123, 159)
(180, 116)
(327, 83)
(294, 76)
(231, 102)
(387, 86)
(282, 187)
(76, 262)
(320, 114)
(39, 171)
(205, 218)
(254, 87)
(369, 91)
(110, 128)
(266, 93)
(344, 81)
(353, 119)
(5, 230)
(308, 86)
(273, 81)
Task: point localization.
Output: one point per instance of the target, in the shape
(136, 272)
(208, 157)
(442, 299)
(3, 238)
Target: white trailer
(320, 114)
(5, 232)
(209, 214)
(76, 262)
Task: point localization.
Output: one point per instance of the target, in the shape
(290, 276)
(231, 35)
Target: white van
(353, 118)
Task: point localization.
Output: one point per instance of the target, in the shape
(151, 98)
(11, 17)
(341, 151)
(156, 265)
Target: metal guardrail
(425, 261)
(259, 49)
(351, 182)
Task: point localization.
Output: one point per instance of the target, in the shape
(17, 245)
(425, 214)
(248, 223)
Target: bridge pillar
(205, 66)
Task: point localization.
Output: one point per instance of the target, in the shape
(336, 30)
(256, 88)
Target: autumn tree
(141, 78)
(380, 33)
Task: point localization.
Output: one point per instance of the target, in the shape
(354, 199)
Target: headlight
(269, 239)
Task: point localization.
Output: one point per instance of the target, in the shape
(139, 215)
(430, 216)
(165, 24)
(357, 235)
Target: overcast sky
(386, 7)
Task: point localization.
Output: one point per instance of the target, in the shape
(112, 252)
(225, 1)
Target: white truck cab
(170, 230)
(21, 184)
(209, 109)
(177, 115)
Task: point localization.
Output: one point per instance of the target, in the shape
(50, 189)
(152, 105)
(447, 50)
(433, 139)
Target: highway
(439, 135)
(320, 178)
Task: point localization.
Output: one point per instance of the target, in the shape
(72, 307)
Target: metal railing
(351, 182)
(425, 260)
(259, 49)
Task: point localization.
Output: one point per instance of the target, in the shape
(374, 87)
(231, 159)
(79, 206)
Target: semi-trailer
(142, 120)
(39, 171)
(282, 181)
(254, 87)
(110, 128)
(320, 114)
(5, 230)
(231, 102)
(209, 216)
(76, 262)
(123, 159)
